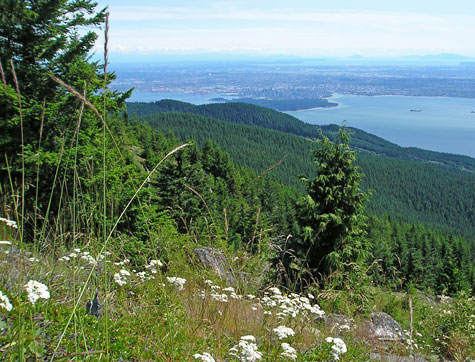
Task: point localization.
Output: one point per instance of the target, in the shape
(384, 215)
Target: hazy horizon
(301, 28)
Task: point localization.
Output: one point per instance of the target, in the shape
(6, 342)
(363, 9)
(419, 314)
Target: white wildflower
(246, 350)
(289, 352)
(152, 266)
(338, 347)
(4, 242)
(5, 302)
(229, 289)
(235, 296)
(310, 296)
(124, 273)
(250, 296)
(36, 290)
(283, 332)
(64, 258)
(208, 282)
(121, 277)
(206, 357)
(275, 291)
(123, 262)
(144, 276)
(223, 298)
(267, 312)
(34, 260)
(9, 223)
(88, 258)
(268, 302)
(77, 250)
(178, 283)
(201, 294)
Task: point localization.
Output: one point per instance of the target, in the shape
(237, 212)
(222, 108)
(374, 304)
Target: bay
(440, 124)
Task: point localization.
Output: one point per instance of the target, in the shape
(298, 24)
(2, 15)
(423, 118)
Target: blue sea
(442, 124)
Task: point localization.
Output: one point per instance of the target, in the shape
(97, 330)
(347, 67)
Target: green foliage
(330, 222)
(455, 333)
(433, 261)
(412, 191)
(51, 139)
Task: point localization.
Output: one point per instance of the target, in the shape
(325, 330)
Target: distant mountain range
(183, 58)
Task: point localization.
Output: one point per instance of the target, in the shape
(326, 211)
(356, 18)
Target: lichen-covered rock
(384, 328)
(216, 260)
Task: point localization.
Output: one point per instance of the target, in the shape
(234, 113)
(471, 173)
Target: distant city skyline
(302, 28)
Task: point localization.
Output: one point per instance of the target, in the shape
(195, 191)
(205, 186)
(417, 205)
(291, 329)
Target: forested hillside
(136, 239)
(407, 252)
(411, 191)
(253, 115)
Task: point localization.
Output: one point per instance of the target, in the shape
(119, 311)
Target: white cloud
(299, 32)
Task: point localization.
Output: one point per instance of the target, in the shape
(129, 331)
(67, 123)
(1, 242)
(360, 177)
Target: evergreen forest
(105, 206)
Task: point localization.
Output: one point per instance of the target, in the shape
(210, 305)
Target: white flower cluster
(205, 357)
(4, 242)
(5, 302)
(36, 290)
(289, 352)
(82, 255)
(178, 283)
(121, 277)
(283, 332)
(292, 305)
(246, 350)
(9, 223)
(122, 263)
(221, 295)
(338, 347)
(152, 266)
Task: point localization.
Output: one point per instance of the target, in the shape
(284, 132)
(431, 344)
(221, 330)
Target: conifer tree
(330, 218)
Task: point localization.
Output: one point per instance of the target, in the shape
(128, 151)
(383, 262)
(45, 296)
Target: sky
(305, 28)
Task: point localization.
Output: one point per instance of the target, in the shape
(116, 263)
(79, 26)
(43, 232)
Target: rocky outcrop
(383, 327)
(216, 260)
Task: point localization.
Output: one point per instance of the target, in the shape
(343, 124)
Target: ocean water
(443, 124)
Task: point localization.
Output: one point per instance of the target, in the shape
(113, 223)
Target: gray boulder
(94, 306)
(384, 328)
(215, 259)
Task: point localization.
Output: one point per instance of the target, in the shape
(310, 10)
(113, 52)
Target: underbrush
(164, 305)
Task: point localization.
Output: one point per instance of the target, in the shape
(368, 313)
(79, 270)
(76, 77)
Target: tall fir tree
(330, 220)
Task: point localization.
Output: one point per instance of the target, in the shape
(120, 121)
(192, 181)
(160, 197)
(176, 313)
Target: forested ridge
(413, 247)
(253, 115)
(409, 190)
